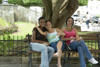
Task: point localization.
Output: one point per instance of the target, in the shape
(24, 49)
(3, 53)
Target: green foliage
(38, 2)
(10, 29)
(89, 65)
(7, 27)
(83, 2)
(19, 2)
(26, 2)
(5, 45)
(2, 22)
(31, 1)
(0, 1)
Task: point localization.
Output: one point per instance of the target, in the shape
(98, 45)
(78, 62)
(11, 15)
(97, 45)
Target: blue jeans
(46, 53)
(81, 48)
(87, 23)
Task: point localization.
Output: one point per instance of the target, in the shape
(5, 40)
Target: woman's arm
(40, 31)
(66, 39)
(60, 32)
(76, 33)
(77, 36)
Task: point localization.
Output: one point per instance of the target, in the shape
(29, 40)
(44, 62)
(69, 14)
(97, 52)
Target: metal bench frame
(68, 51)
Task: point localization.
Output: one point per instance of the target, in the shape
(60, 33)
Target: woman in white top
(52, 35)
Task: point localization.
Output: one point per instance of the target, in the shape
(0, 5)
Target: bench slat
(88, 35)
(96, 51)
(32, 51)
(90, 39)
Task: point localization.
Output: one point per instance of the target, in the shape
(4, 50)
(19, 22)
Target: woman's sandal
(56, 55)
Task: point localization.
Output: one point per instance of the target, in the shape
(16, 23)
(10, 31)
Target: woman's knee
(79, 48)
(60, 42)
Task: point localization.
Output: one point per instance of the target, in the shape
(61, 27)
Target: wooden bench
(92, 42)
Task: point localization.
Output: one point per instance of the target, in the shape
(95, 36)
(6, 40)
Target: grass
(24, 29)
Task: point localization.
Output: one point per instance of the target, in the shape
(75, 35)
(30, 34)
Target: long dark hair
(69, 18)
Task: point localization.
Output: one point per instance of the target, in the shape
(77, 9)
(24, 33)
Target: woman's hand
(78, 39)
(36, 24)
(47, 43)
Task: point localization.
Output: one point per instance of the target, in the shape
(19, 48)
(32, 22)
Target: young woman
(37, 44)
(76, 43)
(52, 35)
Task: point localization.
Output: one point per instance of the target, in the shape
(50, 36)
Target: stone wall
(15, 13)
(7, 12)
(25, 14)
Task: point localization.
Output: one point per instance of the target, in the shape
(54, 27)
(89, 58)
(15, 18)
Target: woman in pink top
(76, 43)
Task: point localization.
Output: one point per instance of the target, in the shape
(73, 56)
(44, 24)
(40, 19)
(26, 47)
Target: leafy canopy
(38, 2)
(83, 2)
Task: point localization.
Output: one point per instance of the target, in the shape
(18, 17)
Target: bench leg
(30, 60)
(64, 59)
(68, 60)
(98, 60)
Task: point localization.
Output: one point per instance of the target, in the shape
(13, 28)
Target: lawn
(23, 29)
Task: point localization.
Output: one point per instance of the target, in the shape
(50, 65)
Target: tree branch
(70, 9)
(56, 10)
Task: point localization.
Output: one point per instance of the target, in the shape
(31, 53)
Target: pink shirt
(69, 35)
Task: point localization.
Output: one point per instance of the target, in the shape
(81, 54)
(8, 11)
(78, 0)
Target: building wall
(93, 8)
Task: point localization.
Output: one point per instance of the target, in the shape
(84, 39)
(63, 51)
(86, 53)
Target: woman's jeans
(81, 48)
(46, 53)
(87, 23)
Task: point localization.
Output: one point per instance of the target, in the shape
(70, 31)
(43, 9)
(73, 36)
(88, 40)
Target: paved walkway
(94, 27)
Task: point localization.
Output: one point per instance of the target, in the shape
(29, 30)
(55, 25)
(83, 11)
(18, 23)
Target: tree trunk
(59, 10)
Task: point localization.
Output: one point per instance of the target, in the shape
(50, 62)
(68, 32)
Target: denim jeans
(87, 23)
(81, 48)
(46, 53)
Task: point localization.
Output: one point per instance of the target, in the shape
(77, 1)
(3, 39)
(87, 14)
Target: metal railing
(13, 46)
(18, 45)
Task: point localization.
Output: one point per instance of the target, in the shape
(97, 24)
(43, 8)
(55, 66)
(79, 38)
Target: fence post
(30, 54)
(98, 46)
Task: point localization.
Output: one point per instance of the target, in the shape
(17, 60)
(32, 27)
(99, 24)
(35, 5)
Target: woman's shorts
(54, 45)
